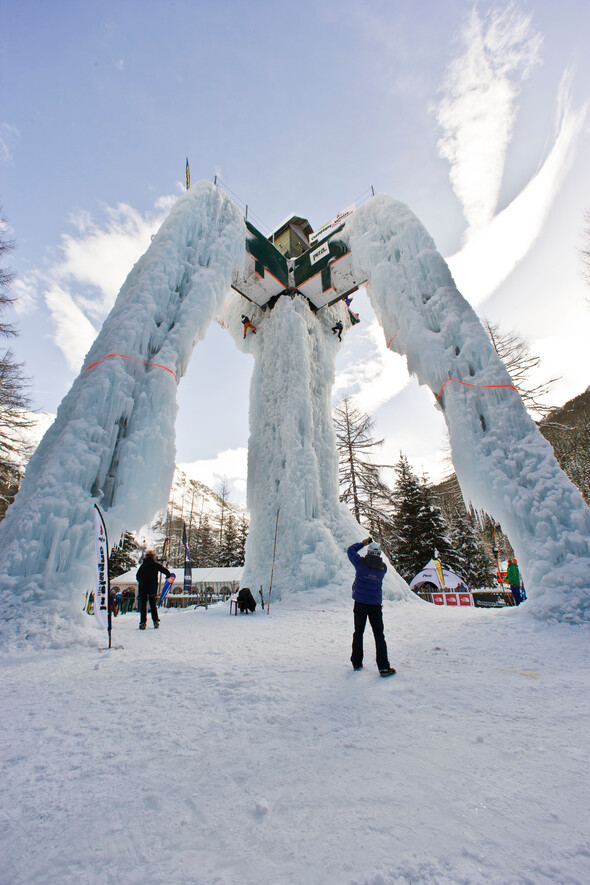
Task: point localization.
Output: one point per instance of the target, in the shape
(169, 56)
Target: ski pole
(273, 562)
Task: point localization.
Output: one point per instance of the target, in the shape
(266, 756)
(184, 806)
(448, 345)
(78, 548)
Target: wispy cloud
(73, 332)
(493, 252)
(9, 137)
(479, 104)
(372, 374)
(79, 285)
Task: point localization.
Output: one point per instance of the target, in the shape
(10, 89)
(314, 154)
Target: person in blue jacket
(368, 603)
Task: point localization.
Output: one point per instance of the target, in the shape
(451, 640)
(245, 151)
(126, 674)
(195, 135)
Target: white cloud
(81, 283)
(73, 332)
(373, 374)
(230, 464)
(493, 252)
(101, 256)
(478, 108)
(25, 291)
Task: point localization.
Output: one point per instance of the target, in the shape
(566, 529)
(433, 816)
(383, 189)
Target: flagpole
(273, 563)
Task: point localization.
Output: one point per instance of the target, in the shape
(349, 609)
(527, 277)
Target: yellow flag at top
(188, 175)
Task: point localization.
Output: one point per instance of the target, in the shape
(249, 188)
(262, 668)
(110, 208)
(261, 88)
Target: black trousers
(143, 601)
(374, 613)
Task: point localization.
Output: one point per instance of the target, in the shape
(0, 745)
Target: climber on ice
(248, 324)
(337, 330)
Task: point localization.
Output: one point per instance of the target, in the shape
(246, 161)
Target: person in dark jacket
(147, 580)
(368, 603)
(246, 601)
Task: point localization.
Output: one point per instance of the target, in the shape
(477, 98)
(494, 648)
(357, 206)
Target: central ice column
(292, 456)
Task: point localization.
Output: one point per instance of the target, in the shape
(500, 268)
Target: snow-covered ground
(244, 749)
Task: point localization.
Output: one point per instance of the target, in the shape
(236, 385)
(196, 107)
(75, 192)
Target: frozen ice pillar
(502, 462)
(112, 441)
(292, 455)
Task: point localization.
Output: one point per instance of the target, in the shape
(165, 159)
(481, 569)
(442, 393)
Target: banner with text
(101, 583)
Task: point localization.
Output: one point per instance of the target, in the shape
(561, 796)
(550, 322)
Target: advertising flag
(166, 588)
(101, 584)
(188, 570)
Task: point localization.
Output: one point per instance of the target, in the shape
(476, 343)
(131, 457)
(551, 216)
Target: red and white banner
(454, 600)
(101, 583)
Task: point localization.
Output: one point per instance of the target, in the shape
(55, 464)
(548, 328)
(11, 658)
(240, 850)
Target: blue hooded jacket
(368, 581)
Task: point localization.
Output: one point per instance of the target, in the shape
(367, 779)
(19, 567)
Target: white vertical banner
(101, 584)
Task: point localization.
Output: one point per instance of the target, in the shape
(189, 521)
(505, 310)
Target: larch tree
(521, 363)
(361, 486)
(15, 419)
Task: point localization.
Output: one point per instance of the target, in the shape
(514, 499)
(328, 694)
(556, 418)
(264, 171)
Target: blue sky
(476, 116)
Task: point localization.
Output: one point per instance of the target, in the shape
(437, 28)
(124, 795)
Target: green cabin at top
(295, 260)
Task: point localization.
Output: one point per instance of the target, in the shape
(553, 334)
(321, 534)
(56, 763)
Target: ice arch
(113, 437)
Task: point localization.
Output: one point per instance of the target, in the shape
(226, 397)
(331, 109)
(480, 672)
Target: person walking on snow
(337, 330)
(248, 324)
(147, 579)
(368, 603)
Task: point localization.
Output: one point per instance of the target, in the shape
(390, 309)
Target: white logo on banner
(319, 253)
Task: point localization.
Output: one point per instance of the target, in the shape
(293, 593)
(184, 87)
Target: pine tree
(417, 529)
(468, 556)
(124, 556)
(228, 549)
(243, 527)
(204, 546)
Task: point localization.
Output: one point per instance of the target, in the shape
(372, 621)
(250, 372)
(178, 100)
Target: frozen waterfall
(502, 462)
(112, 441)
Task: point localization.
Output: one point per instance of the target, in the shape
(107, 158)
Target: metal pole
(273, 562)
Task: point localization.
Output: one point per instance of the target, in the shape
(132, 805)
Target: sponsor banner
(453, 600)
(320, 253)
(332, 225)
(167, 587)
(101, 583)
(188, 570)
(439, 572)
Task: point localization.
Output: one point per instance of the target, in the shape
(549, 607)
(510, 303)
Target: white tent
(203, 579)
(430, 575)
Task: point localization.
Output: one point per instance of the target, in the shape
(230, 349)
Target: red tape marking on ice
(134, 358)
(467, 384)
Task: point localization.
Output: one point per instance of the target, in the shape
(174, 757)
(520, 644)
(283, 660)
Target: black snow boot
(388, 671)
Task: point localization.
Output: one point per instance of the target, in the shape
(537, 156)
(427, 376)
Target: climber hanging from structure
(337, 330)
(248, 324)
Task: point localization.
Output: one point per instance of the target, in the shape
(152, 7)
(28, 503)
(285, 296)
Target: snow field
(245, 750)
